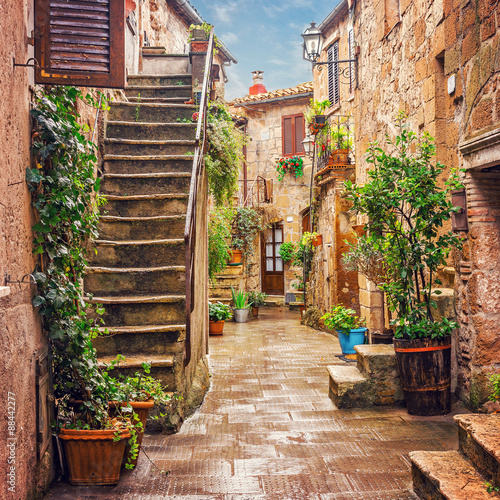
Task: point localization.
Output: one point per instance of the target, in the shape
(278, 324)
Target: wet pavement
(267, 429)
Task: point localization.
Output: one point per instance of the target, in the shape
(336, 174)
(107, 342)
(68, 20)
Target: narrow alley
(267, 429)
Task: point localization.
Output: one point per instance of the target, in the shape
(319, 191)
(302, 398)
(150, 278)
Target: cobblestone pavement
(267, 429)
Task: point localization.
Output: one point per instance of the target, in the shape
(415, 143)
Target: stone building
(439, 62)
(275, 127)
(26, 456)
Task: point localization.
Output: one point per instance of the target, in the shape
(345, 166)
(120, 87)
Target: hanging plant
(294, 165)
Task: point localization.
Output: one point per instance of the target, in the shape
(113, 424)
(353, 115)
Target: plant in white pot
(241, 305)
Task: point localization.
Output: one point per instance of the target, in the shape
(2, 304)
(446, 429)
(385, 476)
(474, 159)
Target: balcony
(255, 192)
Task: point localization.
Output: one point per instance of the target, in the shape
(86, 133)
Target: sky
(264, 35)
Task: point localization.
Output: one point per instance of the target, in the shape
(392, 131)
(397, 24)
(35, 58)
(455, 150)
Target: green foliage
(138, 107)
(406, 209)
(257, 299)
(294, 165)
(219, 236)
(316, 108)
(287, 251)
(207, 28)
(240, 299)
(304, 254)
(224, 154)
(490, 488)
(246, 225)
(341, 319)
(495, 387)
(219, 312)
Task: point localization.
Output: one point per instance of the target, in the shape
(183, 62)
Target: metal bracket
(28, 65)
(31, 279)
(344, 72)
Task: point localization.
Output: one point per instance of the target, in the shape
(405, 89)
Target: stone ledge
(4, 291)
(372, 358)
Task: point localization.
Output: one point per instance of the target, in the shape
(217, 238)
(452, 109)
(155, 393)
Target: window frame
(293, 132)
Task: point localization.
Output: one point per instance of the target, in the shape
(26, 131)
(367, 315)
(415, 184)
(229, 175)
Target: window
(333, 74)
(292, 133)
(80, 43)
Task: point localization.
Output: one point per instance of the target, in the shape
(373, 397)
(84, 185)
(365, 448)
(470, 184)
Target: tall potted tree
(406, 208)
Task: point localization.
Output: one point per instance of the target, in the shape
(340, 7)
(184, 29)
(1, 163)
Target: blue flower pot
(355, 337)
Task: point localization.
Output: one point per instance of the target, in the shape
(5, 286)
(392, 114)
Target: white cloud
(229, 37)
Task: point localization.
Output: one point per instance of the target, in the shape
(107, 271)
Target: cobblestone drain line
(267, 429)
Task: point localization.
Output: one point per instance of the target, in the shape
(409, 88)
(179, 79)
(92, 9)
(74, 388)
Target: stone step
(158, 100)
(141, 228)
(165, 64)
(275, 301)
(162, 367)
(141, 148)
(150, 80)
(378, 359)
(150, 112)
(226, 281)
(139, 253)
(479, 442)
(143, 310)
(446, 475)
(151, 131)
(123, 164)
(347, 385)
(159, 91)
(232, 271)
(142, 184)
(151, 340)
(110, 282)
(145, 205)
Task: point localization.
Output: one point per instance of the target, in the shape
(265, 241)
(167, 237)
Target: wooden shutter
(287, 136)
(80, 42)
(299, 134)
(333, 74)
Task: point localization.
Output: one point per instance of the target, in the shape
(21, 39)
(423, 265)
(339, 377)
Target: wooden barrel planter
(425, 370)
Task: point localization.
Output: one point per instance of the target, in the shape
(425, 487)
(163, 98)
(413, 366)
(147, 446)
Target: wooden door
(273, 276)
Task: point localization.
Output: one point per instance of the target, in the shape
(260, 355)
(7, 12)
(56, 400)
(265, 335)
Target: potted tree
(218, 314)
(257, 299)
(348, 326)
(241, 305)
(406, 209)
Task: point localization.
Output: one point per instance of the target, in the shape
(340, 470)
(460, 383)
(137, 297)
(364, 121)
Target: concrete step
(162, 367)
(479, 442)
(142, 310)
(145, 205)
(129, 254)
(151, 131)
(159, 91)
(446, 475)
(148, 112)
(150, 80)
(151, 340)
(142, 184)
(144, 148)
(141, 228)
(165, 64)
(110, 282)
(123, 164)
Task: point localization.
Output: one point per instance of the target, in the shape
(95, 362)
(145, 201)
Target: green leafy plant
(342, 319)
(219, 311)
(219, 237)
(316, 108)
(257, 299)
(207, 28)
(490, 488)
(494, 380)
(406, 209)
(246, 225)
(138, 107)
(224, 154)
(294, 165)
(240, 299)
(287, 251)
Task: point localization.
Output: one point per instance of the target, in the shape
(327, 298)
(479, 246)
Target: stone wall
(290, 196)
(20, 328)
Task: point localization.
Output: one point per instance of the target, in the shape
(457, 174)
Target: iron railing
(190, 236)
(255, 192)
(337, 134)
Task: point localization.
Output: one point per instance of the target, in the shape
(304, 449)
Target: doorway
(273, 276)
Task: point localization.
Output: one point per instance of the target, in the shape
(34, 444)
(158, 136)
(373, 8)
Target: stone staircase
(138, 273)
(221, 290)
(462, 474)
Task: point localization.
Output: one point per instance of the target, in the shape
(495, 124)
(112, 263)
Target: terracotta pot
(141, 409)
(92, 457)
(314, 128)
(359, 229)
(339, 156)
(318, 241)
(215, 327)
(130, 6)
(255, 312)
(302, 309)
(199, 46)
(236, 257)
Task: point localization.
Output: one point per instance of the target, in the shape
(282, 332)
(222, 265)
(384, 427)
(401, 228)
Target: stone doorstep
(446, 475)
(373, 358)
(479, 442)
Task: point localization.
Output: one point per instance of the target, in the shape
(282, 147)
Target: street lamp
(307, 143)
(313, 43)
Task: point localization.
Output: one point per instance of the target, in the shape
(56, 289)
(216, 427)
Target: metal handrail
(190, 228)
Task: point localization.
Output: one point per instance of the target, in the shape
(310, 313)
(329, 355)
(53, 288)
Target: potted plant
(348, 326)
(341, 143)
(294, 165)
(241, 305)
(246, 226)
(406, 208)
(257, 299)
(287, 251)
(236, 256)
(218, 314)
(315, 116)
